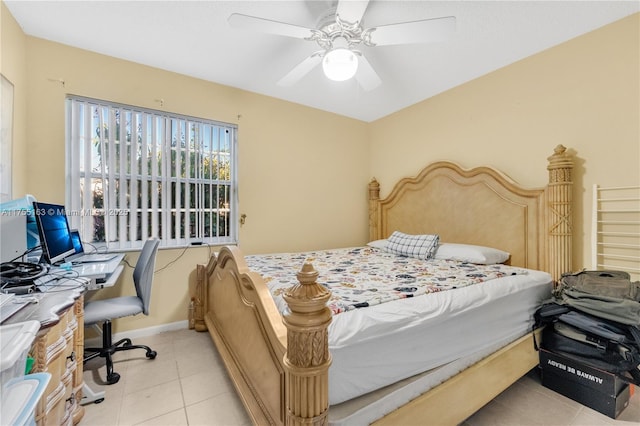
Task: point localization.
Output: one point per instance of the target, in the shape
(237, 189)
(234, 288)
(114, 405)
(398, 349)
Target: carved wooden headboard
(482, 206)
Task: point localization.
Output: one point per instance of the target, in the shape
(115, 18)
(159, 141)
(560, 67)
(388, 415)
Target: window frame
(168, 218)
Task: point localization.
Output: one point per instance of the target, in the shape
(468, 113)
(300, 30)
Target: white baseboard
(140, 332)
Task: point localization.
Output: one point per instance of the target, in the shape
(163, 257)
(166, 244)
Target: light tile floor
(185, 385)
(188, 385)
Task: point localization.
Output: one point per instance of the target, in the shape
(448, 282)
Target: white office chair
(103, 311)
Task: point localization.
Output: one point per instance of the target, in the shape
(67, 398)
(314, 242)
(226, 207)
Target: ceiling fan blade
(246, 22)
(424, 31)
(302, 69)
(366, 75)
(351, 11)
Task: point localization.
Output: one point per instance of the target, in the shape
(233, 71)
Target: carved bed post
(374, 210)
(307, 359)
(559, 213)
(200, 298)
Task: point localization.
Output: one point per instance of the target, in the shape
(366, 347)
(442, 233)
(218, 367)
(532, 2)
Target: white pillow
(418, 246)
(379, 244)
(471, 254)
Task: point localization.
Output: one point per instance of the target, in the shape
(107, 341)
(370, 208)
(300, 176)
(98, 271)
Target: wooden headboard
(483, 206)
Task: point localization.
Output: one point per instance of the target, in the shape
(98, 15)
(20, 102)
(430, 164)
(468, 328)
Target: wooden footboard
(280, 365)
(276, 386)
(248, 331)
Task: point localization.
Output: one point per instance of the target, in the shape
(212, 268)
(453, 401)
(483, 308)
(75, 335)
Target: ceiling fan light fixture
(340, 64)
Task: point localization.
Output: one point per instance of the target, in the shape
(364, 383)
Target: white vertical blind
(135, 173)
(157, 135)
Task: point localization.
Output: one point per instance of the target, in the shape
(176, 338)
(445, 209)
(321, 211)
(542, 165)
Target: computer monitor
(53, 228)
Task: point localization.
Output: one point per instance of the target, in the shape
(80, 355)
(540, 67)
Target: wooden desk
(58, 349)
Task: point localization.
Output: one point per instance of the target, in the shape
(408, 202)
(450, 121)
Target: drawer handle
(71, 358)
(71, 400)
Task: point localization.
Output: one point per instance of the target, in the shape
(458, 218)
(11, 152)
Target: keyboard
(93, 258)
(45, 279)
(46, 282)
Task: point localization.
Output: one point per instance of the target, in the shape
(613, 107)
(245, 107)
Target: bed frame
(280, 365)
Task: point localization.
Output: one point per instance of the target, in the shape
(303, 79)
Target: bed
(280, 364)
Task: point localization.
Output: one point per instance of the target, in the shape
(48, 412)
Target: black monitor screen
(53, 229)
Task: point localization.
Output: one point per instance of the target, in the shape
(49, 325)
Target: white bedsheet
(366, 409)
(428, 331)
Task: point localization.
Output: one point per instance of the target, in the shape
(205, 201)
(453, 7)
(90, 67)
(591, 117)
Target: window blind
(135, 173)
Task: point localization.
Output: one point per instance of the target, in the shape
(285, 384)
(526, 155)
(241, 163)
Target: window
(135, 173)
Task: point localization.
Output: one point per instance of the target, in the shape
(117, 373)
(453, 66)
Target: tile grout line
(184, 402)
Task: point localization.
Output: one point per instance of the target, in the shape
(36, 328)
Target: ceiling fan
(339, 31)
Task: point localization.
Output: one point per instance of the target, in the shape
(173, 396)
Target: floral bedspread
(365, 276)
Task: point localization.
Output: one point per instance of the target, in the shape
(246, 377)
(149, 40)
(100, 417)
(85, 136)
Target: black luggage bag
(597, 342)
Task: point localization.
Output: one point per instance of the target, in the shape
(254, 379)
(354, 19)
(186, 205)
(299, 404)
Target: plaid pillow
(418, 246)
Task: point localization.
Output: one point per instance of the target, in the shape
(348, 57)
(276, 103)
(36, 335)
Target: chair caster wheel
(152, 354)
(112, 379)
(98, 401)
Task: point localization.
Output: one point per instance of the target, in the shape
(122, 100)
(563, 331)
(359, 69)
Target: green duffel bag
(606, 294)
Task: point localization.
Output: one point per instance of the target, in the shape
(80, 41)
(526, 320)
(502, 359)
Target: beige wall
(13, 66)
(584, 94)
(303, 172)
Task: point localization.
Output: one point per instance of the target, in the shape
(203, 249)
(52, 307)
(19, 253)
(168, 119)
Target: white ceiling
(194, 38)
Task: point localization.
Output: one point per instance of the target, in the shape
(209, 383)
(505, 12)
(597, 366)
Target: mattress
(370, 407)
(386, 342)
